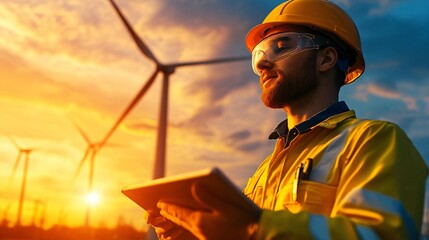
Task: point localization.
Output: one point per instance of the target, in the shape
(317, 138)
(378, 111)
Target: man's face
(288, 79)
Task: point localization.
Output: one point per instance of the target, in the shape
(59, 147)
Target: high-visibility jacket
(367, 181)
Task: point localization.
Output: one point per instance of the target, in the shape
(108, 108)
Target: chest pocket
(253, 191)
(315, 195)
(312, 196)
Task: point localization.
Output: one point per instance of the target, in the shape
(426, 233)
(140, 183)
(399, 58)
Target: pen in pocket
(302, 173)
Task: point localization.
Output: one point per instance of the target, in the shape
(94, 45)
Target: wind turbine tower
(26, 153)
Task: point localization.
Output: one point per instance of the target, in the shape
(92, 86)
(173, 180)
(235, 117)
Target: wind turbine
(91, 151)
(62, 217)
(4, 220)
(36, 214)
(166, 70)
(26, 152)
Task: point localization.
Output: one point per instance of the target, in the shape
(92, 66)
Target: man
(331, 175)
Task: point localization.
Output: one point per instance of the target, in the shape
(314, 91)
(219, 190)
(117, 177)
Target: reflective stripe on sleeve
(319, 227)
(366, 233)
(374, 200)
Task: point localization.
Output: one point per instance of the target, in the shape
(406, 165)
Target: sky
(68, 63)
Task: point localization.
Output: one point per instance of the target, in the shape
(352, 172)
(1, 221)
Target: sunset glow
(64, 62)
(92, 198)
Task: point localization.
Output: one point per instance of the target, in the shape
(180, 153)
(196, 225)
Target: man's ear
(327, 59)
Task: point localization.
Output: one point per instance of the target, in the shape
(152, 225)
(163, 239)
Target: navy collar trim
(282, 129)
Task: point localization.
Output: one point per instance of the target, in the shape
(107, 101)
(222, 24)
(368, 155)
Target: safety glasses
(280, 46)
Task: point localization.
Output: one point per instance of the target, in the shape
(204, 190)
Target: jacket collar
(328, 118)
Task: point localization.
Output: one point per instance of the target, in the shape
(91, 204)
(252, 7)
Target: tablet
(177, 190)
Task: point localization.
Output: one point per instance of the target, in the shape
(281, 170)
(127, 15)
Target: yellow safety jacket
(367, 181)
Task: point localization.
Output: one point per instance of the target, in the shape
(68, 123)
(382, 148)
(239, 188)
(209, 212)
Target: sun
(92, 198)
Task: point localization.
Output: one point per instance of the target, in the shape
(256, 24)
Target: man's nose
(263, 64)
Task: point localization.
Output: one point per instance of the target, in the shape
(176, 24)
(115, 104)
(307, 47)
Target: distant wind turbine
(91, 151)
(4, 219)
(26, 152)
(166, 70)
(37, 203)
(62, 217)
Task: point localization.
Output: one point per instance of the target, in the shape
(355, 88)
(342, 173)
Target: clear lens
(279, 46)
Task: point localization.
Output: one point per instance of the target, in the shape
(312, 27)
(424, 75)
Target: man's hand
(165, 229)
(221, 221)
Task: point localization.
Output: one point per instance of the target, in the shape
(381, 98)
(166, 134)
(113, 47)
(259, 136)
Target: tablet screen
(177, 190)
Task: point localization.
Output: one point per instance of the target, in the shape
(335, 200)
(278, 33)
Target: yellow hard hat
(320, 15)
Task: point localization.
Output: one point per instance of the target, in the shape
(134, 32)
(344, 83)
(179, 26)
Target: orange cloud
(73, 60)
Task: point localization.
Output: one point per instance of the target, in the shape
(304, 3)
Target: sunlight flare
(92, 198)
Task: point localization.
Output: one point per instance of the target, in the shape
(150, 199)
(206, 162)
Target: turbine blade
(79, 168)
(84, 135)
(214, 61)
(130, 107)
(15, 143)
(137, 40)
(15, 167)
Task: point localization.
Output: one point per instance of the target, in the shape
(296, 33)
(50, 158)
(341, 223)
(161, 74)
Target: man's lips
(267, 76)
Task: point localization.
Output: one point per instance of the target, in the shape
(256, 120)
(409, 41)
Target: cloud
(224, 80)
(201, 121)
(244, 142)
(200, 16)
(370, 7)
(383, 6)
(75, 39)
(141, 124)
(381, 46)
(251, 146)
(386, 93)
(240, 135)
